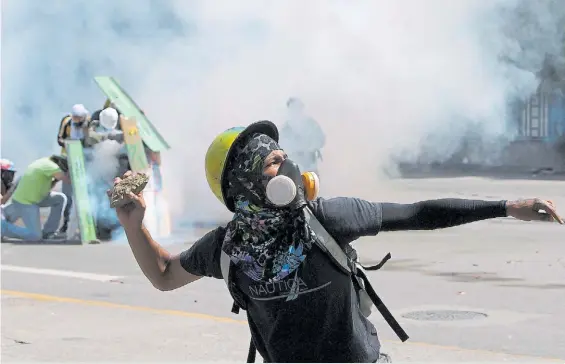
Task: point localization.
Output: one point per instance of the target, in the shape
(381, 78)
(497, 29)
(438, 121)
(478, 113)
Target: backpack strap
(383, 310)
(328, 244)
(227, 274)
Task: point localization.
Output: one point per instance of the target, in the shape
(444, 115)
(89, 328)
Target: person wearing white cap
(109, 118)
(73, 126)
(105, 125)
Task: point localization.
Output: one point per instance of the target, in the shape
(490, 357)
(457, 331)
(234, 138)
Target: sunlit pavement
(510, 271)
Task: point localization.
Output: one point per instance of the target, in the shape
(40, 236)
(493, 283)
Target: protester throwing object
(286, 255)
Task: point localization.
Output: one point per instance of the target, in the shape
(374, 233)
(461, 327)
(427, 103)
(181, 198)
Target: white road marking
(60, 273)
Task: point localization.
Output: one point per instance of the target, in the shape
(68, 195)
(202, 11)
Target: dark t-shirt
(321, 322)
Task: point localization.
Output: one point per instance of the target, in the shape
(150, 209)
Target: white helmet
(109, 118)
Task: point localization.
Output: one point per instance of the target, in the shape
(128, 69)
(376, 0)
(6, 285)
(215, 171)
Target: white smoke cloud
(101, 168)
(104, 164)
(379, 76)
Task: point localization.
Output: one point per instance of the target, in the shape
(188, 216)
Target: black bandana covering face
(267, 243)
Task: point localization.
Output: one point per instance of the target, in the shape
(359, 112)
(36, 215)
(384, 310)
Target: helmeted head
(246, 165)
(221, 153)
(255, 162)
(78, 114)
(108, 118)
(8, 173)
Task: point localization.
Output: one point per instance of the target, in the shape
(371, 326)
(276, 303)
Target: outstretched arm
(438, 214)
(347, 219)
(443, 213)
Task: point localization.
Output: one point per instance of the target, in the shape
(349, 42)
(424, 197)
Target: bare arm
(7, 196)
(163, 270)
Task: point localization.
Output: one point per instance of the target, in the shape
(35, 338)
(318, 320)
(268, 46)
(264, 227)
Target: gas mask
(290, 188)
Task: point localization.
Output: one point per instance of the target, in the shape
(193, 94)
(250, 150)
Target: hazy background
(381, 77)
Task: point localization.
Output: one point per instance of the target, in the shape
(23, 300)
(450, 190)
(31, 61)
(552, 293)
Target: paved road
(511, 271)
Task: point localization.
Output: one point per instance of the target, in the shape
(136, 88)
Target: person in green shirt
(33, 191)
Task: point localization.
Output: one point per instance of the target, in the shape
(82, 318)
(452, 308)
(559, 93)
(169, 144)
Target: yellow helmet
(220, 153)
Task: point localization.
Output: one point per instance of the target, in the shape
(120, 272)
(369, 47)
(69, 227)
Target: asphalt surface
(509, 270)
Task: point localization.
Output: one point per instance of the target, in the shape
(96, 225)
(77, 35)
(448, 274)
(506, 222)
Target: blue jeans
(8, 229)
(30, 215)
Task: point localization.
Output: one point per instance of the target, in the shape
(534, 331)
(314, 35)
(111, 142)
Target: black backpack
(345, 259)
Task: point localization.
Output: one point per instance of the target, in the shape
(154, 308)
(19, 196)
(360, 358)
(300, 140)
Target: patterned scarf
(266, 243)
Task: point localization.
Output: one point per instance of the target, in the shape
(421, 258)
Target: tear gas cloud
(102, 167)
(381, 77)
(104, 162)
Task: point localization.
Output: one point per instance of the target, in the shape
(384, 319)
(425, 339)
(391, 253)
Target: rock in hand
(134, 183)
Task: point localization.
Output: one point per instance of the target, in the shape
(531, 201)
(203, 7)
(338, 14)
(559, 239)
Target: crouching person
(8, 187)
(34, 190)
